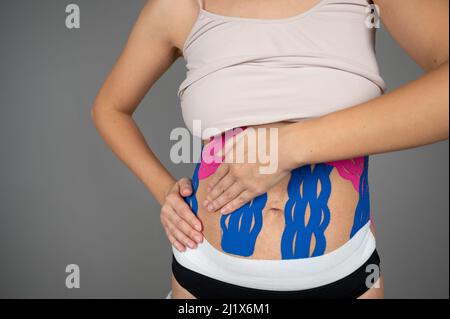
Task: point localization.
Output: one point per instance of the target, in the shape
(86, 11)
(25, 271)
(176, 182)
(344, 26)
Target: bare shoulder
(174, 17)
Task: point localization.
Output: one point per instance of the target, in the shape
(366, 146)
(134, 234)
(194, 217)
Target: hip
(347, 272)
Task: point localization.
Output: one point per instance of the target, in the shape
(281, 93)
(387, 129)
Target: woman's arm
(151, 49)
(413, 115)
(146, 56)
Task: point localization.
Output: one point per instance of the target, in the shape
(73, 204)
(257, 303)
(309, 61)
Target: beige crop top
(248, 71)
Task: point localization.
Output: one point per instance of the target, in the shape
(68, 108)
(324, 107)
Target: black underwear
(203, 287)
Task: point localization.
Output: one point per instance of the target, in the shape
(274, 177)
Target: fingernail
(198, 239)
(191, 245)
(210, 208)
(205, 203)
(223, 210)
(208, 189)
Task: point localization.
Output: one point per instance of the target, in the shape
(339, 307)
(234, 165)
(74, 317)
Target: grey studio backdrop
(65, 199)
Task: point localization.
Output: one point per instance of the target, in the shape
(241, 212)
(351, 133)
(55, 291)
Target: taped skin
(308, 187)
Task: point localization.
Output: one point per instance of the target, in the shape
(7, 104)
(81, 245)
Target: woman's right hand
(182, 227)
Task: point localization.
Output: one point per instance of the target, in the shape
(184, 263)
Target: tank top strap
(201, 3)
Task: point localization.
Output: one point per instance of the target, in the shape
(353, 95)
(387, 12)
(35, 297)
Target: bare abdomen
(312, 211)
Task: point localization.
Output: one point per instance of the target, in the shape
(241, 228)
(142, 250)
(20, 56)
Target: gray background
(64, 198)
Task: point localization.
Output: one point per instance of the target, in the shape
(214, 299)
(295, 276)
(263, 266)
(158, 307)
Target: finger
(184, 227)
(239, 201)
(183, 210)
(185, 187)
(175, 231)
(179, 246)
(220, 187)
(230, 194)
(218, 175)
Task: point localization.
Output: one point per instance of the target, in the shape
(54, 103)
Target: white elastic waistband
(280, 275)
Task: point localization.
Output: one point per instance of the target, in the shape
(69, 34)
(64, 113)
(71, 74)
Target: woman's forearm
(413, 115)
(123, 136)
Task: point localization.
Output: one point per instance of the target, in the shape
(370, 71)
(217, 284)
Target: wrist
(291, 149)
(168, 188)
(161, 191)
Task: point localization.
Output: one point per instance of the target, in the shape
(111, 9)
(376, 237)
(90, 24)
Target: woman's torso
(247, 72)
(243, 71)
(310, 212)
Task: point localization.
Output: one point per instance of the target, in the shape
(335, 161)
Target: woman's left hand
(236, 183)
